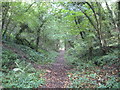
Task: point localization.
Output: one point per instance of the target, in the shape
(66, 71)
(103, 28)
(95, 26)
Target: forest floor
(56, 73)
(56, 76)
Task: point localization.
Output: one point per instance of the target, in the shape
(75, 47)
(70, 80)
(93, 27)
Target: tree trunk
(6, 28)
(111, 15)
(103, 42)
(119, 29)
(38, 35)
(82, 33)
(5, 8)
(37, 40)
(90, 53)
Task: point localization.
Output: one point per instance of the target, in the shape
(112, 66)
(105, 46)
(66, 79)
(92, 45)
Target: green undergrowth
(22, 76)
(76, 60)
(17, 71)
(42, 57)
(93, 79)
(102, 71)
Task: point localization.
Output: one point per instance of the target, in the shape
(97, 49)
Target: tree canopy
(88, 32)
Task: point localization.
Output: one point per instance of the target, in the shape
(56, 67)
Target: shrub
(107, 59)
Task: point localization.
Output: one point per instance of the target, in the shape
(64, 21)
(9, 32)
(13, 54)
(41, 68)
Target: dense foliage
(33, 33)
(18, 68)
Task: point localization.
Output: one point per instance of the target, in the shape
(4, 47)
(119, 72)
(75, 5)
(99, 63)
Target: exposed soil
(56, 76)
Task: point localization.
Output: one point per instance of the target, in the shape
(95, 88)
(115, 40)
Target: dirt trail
(56, 76)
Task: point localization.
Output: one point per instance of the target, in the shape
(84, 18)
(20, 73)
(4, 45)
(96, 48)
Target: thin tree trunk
(5, 9)
(37, 40)
(38, 36)
(96, 28)
(119, 29)
(77, 23)
(103, 42)
(6, 28)
(111, 14)
(93, 11)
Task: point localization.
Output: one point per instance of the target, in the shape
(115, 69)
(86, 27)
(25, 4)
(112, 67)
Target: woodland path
(56, 76)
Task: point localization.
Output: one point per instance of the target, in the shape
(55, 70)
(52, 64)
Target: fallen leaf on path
(48, 71)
